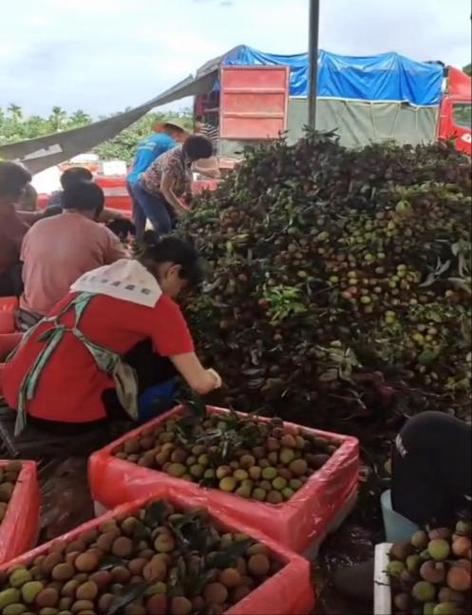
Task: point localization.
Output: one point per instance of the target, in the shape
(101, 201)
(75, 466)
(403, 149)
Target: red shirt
(71, 384)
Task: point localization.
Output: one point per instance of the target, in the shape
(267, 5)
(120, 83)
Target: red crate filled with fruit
(164, 554)
(19, 508)
(293, 483)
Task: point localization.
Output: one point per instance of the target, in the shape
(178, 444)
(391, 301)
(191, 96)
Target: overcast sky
(104, 55)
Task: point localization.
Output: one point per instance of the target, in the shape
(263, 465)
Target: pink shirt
(58, 250)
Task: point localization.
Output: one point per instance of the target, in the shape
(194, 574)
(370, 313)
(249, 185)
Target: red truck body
(253, 105)
(455, 111)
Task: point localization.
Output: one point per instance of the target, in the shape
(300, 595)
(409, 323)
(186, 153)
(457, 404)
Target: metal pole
(313, 60)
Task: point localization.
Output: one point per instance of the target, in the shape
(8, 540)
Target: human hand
(216, 377)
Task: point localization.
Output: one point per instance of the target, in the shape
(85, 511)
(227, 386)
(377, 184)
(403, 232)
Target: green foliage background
(16, 126)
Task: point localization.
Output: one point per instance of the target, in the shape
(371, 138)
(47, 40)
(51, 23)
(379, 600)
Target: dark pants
(151, 369)
(139, 217)
(431, 472)
(26, 320)
(156, 210)
(11, 284)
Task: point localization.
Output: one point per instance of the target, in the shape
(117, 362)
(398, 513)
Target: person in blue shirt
(167, 136)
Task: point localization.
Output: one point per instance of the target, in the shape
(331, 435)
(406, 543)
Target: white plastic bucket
(382, 589)
(397, 527)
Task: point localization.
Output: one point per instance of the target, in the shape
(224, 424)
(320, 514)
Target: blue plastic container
(157, 400)
(397, 527)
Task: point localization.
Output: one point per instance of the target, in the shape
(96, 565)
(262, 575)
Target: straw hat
(174, 123)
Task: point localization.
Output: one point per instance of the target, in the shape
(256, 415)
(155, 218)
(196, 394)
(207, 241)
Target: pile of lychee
(8, 476)
(157, 561)
(255, 460)
(432, 574)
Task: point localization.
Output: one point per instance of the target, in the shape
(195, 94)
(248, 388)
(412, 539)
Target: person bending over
(166, 136)
(431, 484)
(56, 251)
(161, 190)
(72, 369)
(72, 176)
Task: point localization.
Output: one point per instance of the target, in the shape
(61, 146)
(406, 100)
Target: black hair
(175, 250)
(84, 196)
(13, 179)
(197, 147)
(74, 175)
(121, 228)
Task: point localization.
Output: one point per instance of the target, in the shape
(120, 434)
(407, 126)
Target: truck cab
(455, 114)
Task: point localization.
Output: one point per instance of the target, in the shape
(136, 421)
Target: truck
(257, 96)
(247, 96)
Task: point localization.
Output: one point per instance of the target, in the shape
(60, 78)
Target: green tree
(123, 146)
(58, 118)
(15, 112)
(16, 126)
(468, 69)
(79, 118)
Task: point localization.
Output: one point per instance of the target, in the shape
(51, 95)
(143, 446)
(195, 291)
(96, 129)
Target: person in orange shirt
(56, 251)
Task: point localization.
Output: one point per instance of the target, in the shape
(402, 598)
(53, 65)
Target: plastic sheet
(384, 77)
(20, 527)
(289, 591)
(297, 524)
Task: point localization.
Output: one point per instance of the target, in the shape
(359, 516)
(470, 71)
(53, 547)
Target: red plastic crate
(8, 307)
(299, 524)
(288, 591)
(19, 529)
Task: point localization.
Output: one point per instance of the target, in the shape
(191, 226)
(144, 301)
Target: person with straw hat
(165, 137)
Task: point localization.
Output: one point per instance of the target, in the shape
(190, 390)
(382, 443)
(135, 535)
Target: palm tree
(57, 118)
(79, 118)
(15, 111)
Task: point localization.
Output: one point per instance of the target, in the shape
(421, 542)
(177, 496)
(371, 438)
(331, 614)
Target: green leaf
(155, 514)
(110, 561)
(195, 583)
(129, 594)
(228, 557)
(427, 357)
(190, 532)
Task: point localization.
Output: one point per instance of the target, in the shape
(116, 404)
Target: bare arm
(199, 379)
(30, 217)
(167, 189)
(207, 167)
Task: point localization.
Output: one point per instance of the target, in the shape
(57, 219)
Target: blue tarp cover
(384, 77)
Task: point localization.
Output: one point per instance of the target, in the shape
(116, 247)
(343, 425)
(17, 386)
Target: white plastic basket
(382, 588)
